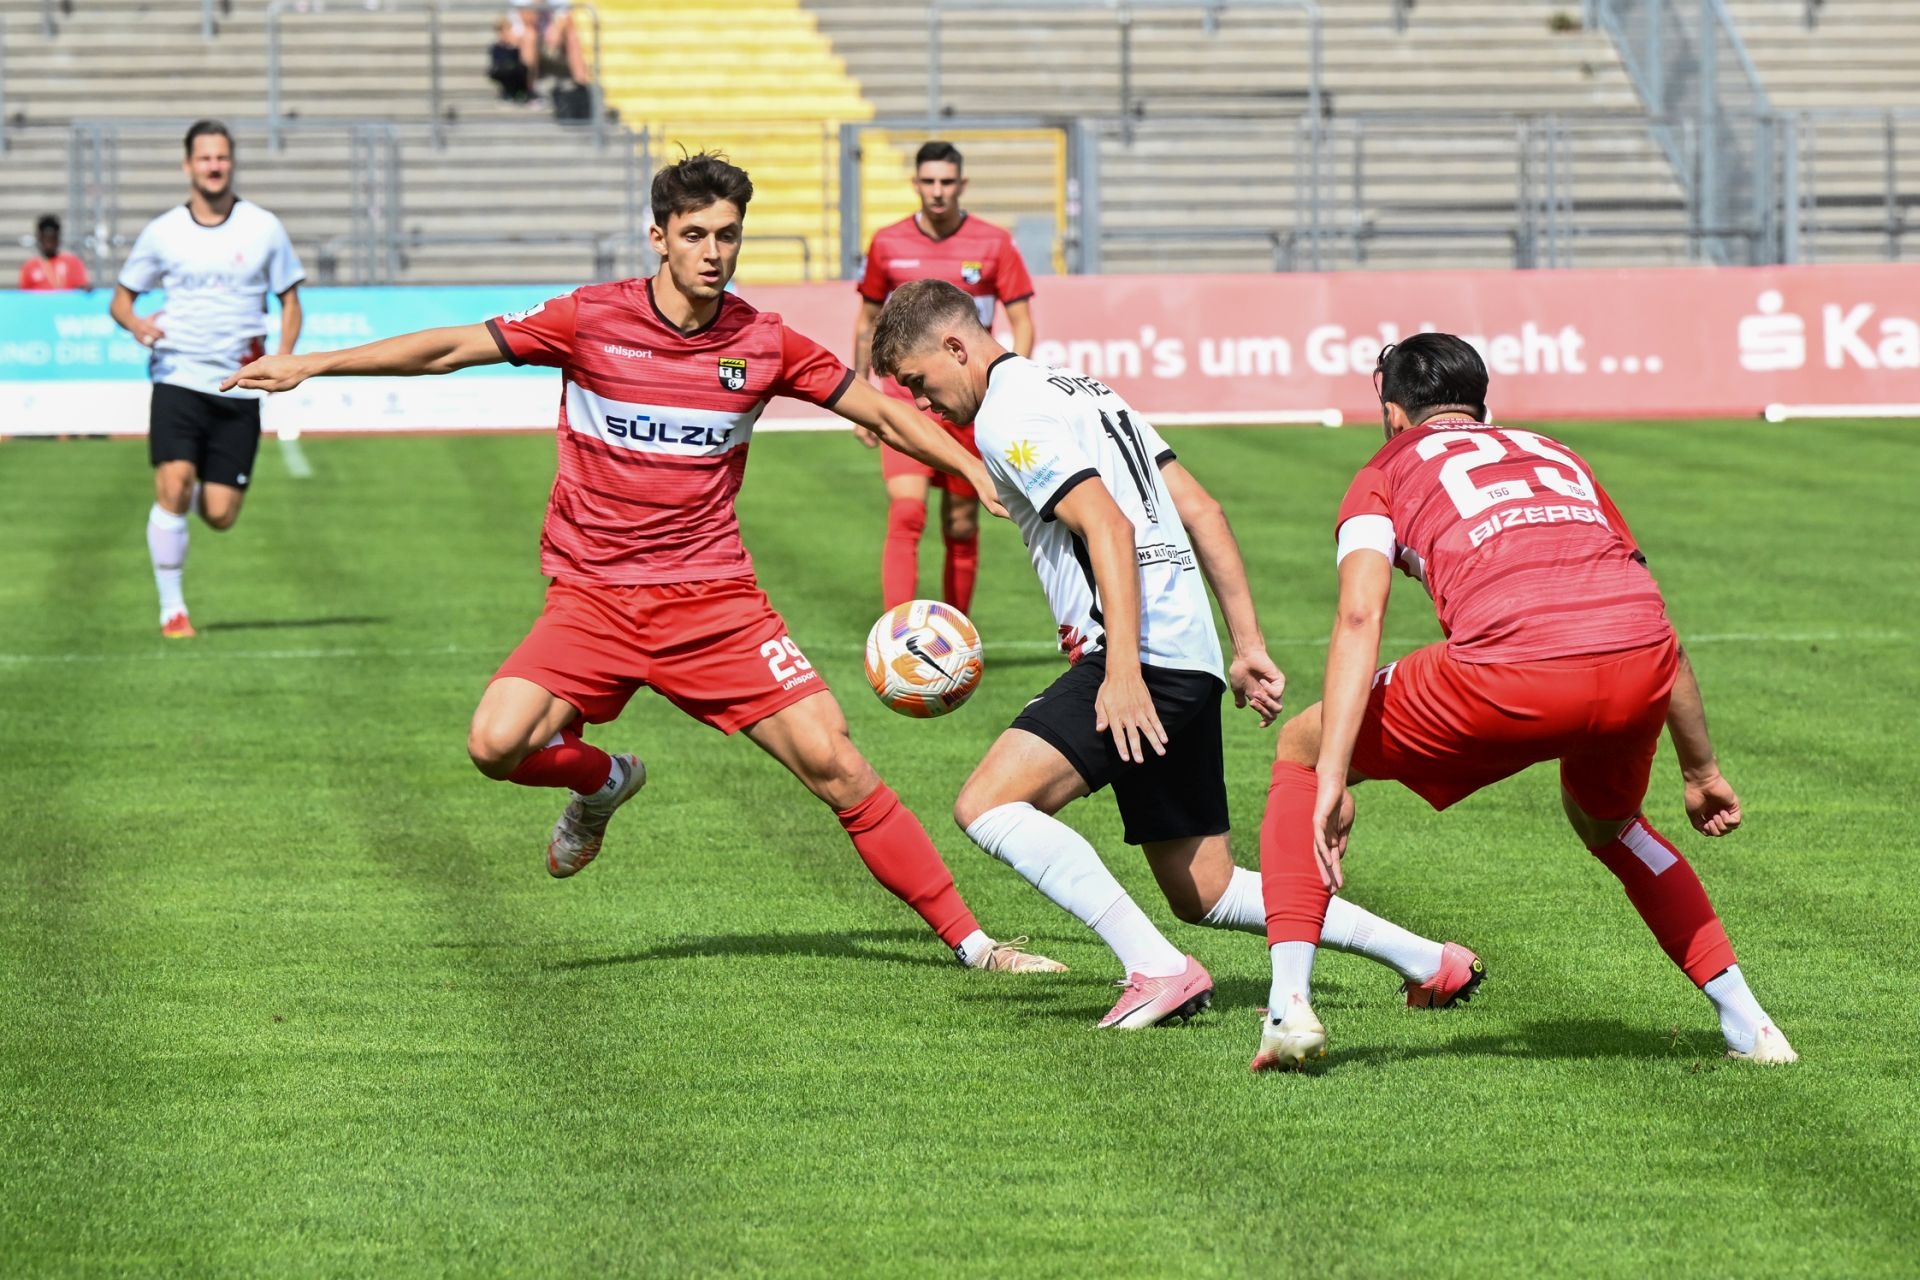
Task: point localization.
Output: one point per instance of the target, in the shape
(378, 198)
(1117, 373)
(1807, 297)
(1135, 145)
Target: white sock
(1058, 862)
(1348, 928)
(1741, 1016)
(1359, 932)
(1292, 976)
(974, 949)
(167, 547)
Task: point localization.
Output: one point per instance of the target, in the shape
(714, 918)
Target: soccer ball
(923, 658)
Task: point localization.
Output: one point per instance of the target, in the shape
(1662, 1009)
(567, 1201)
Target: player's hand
(1258, 683)
(1332, 822)
(865, 437)
(145, 332)
(269, 373)
(1712, 806)
(989, 496)
(1124, 708)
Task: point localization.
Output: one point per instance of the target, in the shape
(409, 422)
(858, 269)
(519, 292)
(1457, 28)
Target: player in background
(52, 269)
(1558, 648)
(940, 242)
(219, 258)
(662, 382)
(1121, 535)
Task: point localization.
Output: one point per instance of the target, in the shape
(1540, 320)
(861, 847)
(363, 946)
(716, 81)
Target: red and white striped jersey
(654, 427)
(1525, 556)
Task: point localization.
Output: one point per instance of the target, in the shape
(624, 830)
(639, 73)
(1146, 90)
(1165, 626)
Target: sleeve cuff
(861, 289)
(1025, 297)
(1365, 533)
(1164, 457)
(500, 340)
(297, 282)
(846, 380)
(1067, 486)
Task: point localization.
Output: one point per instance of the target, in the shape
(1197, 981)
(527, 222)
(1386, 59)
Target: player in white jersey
(218, 257)
(1121, 535)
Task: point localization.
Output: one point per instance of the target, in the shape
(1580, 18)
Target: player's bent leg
(810, 738)
(900, 554)
(167, 538)
(220, 505)
(960, 529)
(516, 720)
(1006, 808)
(1663, 887)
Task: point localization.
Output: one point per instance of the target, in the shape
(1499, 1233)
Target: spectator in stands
(506, 63)
(52, 269)
(562, 52)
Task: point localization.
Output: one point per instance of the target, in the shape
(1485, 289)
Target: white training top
(1042, 432)
(217, 280)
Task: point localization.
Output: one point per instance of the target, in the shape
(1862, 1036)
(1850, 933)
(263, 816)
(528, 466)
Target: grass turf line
(287, 991)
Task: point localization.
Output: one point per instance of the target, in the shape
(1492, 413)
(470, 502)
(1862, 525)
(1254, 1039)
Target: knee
(968, 808)
(838, 773)
(962, 527)
(909, 515)
(220, 519)
(1300, 739)
(494, 751)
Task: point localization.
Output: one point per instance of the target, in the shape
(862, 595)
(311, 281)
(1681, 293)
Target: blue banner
(68, 336)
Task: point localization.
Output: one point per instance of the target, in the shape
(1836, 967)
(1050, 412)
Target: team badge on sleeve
(733, 373)
(970, 272)
(1022, 455)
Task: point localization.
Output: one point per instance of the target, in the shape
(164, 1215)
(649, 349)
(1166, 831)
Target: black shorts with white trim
(1177, 796)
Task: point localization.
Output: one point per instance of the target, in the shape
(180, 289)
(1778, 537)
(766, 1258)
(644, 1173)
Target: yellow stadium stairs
(759, 82)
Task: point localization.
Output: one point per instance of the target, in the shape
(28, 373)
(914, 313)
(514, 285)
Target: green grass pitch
(285, 989)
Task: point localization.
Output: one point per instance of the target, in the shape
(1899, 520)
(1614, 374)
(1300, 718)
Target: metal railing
(434, 11)
(1822, 149)
(1687, 62)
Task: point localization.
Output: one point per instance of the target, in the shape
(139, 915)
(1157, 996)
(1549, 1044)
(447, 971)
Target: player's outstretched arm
(863, 359)
(916, 435)
(427, 351)
(1366, 580)
(1256, 679)
(1712, 805)
(1123, 707)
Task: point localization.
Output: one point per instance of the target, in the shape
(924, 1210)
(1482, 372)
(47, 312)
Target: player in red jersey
(1558, 648)
(940, 242)
(663, 380)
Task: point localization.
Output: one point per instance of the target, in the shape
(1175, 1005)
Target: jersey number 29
(1487, 447)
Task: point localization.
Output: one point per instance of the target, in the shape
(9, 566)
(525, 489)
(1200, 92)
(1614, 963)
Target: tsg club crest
(970, 272)
(733, 373)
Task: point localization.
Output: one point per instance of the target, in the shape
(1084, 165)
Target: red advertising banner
(1558, 344)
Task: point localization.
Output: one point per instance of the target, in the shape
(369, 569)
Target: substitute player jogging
(941, 241)
(1105, 509)
(1558, 648)
(662, 382)
(219, 258)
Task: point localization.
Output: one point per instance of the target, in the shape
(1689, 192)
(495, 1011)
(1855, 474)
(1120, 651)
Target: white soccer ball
(923, 658)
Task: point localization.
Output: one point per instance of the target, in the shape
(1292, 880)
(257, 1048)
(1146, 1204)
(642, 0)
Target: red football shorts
(1445, 728)
(894, 463)
(716, 650)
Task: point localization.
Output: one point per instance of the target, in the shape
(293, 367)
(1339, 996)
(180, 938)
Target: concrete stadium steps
(757, 81)
(492, 183)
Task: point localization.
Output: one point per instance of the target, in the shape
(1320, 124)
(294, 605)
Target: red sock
(900, 557)
(1289, 875)
(963, 566)
(1668, 895)
(570, 763)
(897, 850)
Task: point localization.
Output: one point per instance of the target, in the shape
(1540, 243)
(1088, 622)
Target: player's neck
(941, 228)
(211, 213)
(677, 309)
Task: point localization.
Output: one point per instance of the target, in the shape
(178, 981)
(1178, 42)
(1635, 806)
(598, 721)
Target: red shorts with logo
(893, 463)
(716, 650)
(1445, 728)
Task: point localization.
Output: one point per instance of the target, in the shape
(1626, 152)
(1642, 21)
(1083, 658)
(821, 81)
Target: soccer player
(218, 257)
(52, 269)
(1558, 648)
(1120, 534)
(940, 242)
(662, 382)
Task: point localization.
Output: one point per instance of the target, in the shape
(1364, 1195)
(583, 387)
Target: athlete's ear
(955, 347)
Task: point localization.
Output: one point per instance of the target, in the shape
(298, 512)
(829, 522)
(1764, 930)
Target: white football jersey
(1042, 432)
(217, 280)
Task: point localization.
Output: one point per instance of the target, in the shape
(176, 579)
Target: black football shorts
(219, 435)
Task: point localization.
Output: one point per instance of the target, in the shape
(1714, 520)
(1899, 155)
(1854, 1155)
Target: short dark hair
(696, 181)
(938, 153)
(1429, 372)
(912, 314)
(47, 222)
(201, 128)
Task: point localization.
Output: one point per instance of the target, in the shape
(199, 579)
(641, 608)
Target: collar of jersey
(964, 215)
(688, 333)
